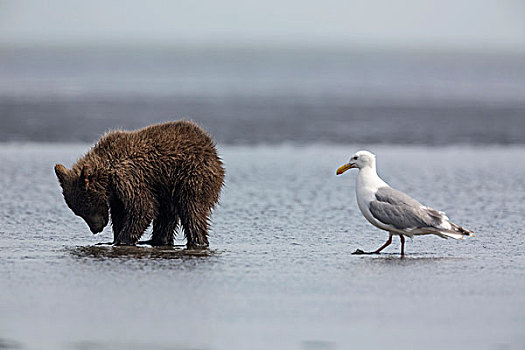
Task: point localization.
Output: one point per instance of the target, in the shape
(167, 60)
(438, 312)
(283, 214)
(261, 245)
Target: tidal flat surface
(279, 273)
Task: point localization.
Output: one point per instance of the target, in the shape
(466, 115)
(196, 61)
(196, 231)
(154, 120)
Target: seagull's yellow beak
(344, 168)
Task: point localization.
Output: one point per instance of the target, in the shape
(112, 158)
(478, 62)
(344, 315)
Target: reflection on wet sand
(139, 252)
(419, 258)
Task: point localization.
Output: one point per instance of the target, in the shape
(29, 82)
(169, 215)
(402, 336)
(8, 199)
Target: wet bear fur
(167, 174)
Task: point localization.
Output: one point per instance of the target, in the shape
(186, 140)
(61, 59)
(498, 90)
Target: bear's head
(85, 195)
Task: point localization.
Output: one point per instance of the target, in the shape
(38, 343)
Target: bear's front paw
(195, 246)
(120, 242)
(148, 242)
(105, 243)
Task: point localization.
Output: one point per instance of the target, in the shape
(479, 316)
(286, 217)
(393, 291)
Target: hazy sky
(479, 24)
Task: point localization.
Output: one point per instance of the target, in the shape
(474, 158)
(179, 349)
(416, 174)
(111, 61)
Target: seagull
(395, 211)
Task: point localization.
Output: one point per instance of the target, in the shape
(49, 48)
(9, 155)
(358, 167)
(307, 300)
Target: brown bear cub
(163, 173)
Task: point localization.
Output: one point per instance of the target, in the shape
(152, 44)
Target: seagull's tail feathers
(448, 230)
(450, 234)
(455, 231)
(461, 230)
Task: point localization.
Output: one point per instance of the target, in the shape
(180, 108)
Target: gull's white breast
(367, 184)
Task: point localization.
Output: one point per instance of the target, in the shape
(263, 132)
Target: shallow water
(278, 273)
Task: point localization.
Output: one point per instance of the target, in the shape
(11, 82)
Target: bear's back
(174, 139)
(182, 136)
(171, 147)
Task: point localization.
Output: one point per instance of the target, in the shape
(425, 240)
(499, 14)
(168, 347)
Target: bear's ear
(87, 175)
(62, 173)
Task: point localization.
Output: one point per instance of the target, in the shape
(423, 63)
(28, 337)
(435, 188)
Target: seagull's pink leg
(402, 244)
(384, 245)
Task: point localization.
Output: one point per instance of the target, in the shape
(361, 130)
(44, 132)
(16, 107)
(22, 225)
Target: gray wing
(399, 210)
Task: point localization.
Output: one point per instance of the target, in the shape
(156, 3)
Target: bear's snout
(96, 224)
(96, 229)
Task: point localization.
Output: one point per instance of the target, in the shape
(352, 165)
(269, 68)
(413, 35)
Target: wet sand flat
(278, 273)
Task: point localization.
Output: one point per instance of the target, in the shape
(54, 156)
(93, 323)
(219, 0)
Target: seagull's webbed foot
(361, 252)
(378, 251)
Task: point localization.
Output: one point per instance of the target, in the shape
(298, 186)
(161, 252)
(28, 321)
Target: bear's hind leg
(195, 223)
(164, 227)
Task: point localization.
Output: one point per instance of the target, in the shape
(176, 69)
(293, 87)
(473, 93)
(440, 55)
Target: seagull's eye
(354, 158)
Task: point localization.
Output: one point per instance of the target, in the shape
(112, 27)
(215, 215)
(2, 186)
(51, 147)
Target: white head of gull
(395, 211)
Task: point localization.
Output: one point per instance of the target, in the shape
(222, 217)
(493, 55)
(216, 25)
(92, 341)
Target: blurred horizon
(419, 72)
